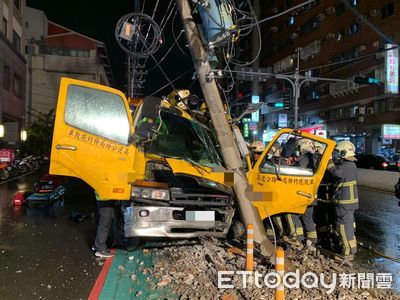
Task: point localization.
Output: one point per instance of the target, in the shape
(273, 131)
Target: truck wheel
(133, 244)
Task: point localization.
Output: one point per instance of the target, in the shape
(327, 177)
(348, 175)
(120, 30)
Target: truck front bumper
(152, 221)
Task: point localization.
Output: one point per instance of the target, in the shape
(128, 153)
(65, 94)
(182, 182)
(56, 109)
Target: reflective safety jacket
(346, 192)
(327, 188)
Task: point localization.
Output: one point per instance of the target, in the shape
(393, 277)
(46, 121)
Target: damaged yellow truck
(165, 164)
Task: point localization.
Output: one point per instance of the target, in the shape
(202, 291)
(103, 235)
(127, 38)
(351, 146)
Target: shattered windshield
(181, 138)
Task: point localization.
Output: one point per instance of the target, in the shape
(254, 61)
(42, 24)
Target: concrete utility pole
(221, 126)
(30, 82)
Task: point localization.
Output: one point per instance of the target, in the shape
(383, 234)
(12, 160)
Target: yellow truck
(165, 165)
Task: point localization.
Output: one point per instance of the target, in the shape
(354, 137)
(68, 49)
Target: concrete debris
(164, 281)
(121, 269)
(192, 273)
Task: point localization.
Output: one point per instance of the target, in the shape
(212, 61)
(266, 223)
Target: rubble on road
(192, 273)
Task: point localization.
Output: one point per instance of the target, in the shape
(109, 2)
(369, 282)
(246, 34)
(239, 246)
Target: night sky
(97, 19)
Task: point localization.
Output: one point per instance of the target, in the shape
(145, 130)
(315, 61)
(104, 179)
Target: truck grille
(199, 197)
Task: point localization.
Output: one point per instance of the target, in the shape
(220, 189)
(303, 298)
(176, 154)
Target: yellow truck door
(278, 184)
(91, 138)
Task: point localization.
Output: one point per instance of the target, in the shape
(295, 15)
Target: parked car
(377, 162)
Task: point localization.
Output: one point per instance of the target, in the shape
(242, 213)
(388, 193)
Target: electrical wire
(238, 63)
(166, 54)
(281, 13)
(173, 34)
(172, 81)
(167, 15)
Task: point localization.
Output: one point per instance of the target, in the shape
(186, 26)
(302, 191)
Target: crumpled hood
(179, 166)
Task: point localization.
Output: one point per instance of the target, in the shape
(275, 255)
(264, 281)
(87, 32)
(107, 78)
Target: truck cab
(164, 165)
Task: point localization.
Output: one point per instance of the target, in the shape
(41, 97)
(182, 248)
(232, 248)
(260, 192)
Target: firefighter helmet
(319, 147)
(346, 149)
(257, 147)
(307, 145)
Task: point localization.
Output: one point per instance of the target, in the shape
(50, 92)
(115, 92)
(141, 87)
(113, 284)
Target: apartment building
(12, 72)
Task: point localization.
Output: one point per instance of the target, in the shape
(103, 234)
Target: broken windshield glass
(183, 138)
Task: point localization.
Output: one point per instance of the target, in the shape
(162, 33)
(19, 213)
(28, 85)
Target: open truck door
(91, 138)
(279, 184)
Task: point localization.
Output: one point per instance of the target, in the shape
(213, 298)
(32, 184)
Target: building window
(6, 78)
(83, 53)
(387, 10)
(17, 86)
(340, 9)
(4, 26)
(17, 4)
(354, 27)
(353, 2)
(16, 41)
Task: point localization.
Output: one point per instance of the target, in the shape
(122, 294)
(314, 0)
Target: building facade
(341, 41)
(12, 71)
(53, 52)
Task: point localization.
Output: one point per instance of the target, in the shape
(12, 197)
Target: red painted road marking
(98, 285)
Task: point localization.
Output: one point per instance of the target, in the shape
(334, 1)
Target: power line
(177, 78)
(279, 14)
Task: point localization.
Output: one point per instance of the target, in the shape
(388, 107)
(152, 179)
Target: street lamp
(23, 135)
(1, 131)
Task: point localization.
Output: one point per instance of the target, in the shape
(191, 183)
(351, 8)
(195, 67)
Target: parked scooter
(4, 172)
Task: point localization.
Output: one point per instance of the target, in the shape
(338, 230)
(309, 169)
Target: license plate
(200, 215)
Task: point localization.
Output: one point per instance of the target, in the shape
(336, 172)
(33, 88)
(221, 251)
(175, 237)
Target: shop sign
(312, 129)
(320, 133)
(392, 69)
(391, 131)
(255, 117)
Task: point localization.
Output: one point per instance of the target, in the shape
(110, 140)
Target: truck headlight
(150, 193)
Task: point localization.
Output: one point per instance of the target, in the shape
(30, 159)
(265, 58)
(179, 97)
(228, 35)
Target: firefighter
(345, 200)
(274, 156)
(257, 148)
(308, 160)
(324, 212)
(294, 226)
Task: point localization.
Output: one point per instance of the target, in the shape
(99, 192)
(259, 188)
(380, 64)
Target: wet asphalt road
(44, 255)
(378, 226)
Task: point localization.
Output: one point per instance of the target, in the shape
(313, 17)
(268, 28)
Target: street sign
(253, 126)
(282, 120)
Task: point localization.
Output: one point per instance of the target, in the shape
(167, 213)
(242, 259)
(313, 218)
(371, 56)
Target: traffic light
(276, 104)
(366, 80)
(287, 99)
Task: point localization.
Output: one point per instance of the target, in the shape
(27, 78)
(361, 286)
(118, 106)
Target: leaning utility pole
(221, 126)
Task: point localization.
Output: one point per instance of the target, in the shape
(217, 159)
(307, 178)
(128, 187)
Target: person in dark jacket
(308, 160)
(106, 209)
(345, 198)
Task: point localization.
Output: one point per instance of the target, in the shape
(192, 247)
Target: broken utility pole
(221, 126)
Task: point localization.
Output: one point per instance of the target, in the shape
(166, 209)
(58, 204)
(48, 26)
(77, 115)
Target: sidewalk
(129, 276)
